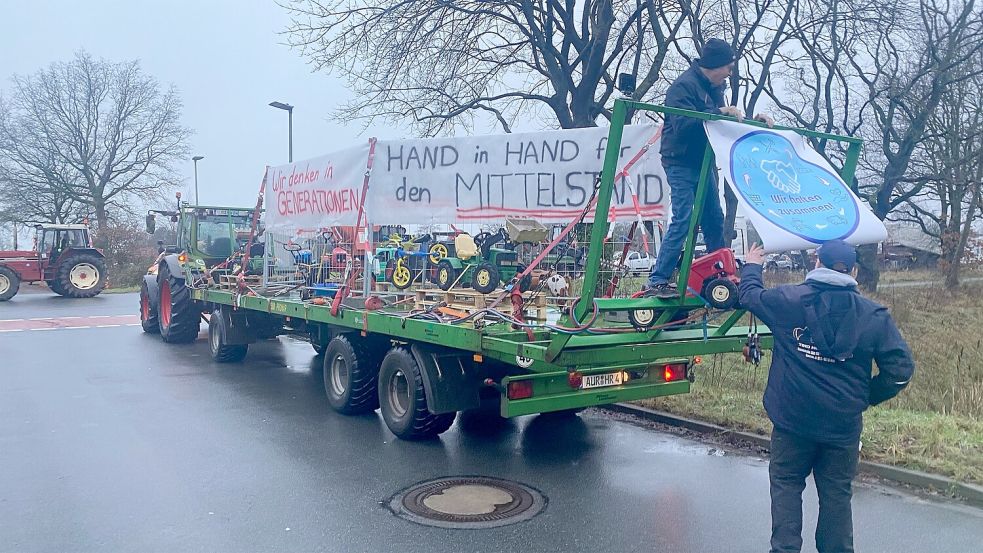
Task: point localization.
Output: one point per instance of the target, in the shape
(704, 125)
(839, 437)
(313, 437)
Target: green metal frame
(551, 354)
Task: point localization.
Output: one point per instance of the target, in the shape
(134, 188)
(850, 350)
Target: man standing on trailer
(826, 337)
(700, 88)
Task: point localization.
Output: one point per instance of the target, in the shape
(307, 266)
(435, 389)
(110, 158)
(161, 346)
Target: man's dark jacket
(683, 138)
(826, 337)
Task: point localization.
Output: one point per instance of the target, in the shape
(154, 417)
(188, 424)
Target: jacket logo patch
(805, 346)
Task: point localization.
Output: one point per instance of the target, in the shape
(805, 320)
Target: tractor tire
(403, 399)
(9, 283)
(149, 320)
(351, 375)
(485, 278)
(178, 314)
(55, 287)
(720, 293)
(81, 276)
(221, 351)
(446, 275)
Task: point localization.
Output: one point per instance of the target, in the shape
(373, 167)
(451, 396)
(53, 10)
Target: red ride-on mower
(714, 276)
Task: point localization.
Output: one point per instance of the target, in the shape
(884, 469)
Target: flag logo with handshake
(789, 192)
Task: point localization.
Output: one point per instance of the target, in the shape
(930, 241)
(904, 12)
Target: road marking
(65, 323)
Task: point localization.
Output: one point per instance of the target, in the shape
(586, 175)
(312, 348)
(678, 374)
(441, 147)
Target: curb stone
(970, 493)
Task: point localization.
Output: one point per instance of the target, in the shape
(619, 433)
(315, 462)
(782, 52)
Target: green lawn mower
(477, 263)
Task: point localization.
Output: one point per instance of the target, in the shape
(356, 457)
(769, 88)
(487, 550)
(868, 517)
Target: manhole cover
(467, 502)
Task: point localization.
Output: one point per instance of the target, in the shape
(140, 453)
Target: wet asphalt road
(113, 441)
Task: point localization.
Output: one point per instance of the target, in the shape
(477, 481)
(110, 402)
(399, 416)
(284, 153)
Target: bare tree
(437, 64)
(906, 69)
(93, 132)
(951, 164)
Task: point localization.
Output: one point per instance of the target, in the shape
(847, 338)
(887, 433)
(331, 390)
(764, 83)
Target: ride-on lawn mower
(477, 263)
(63, 257)
(713, 277)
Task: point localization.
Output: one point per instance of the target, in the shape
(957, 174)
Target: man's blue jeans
(682, 186)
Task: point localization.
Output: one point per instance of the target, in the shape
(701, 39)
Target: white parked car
(639, 263)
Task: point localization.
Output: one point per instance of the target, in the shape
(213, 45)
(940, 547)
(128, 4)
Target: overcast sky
(225, 57)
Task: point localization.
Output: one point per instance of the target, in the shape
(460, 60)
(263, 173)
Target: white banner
(547, 175)
(791, 195)
(317, 193)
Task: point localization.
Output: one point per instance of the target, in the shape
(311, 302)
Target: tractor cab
(53, 241)
(207, 234)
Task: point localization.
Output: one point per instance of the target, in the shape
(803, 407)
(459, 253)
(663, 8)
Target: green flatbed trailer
(421, 372)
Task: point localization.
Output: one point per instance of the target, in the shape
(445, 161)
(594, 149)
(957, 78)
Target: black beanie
(716, 53)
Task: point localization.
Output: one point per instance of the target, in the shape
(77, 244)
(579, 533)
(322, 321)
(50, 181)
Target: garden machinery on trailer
(63, 257)
(422, 364)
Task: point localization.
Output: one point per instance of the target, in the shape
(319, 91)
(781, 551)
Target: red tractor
(63, 257)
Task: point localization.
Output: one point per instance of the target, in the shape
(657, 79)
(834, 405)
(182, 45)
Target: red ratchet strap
(343, 292)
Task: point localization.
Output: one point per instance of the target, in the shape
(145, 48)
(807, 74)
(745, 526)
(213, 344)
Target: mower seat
(465, 247)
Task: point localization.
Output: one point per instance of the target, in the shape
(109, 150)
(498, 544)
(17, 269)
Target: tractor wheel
(437, 252)
(486, 278)
(55, 287)
(148, 313)
(720, 293)
(446, 274)
(403, 400)
(9, 283)
(178, 314)
(81, 276)
(351, 375)
(221, 351)
(402, 277)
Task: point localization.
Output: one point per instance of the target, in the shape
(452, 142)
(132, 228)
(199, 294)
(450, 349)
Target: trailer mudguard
(152, 289)
(449, 379)
(235, 328)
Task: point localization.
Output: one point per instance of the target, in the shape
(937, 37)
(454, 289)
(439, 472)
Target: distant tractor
(63, 257)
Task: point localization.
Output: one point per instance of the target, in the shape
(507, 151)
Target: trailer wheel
(485, 278)
(446, 275)
(351, 371)
(9, 283)
(178, 315)
(403, 400)
(720, 293)
(81, 276)
(223, 352)
(148, 313)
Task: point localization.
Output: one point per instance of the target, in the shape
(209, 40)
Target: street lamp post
(196, 159)
(290, 127)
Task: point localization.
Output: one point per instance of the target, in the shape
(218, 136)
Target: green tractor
(207, 238)
(479, 264)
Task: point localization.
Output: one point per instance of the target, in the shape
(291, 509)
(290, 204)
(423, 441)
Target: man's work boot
(663, 291)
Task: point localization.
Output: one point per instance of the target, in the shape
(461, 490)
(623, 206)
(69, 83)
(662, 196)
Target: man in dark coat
(826, 337)
(700, 88)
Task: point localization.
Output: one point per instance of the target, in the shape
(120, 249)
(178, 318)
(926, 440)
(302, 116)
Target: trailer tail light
(673, 372)
(182, 258)
(575, 379)
(520, 389)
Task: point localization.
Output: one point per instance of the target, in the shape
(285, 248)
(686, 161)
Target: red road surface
(64, 323)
